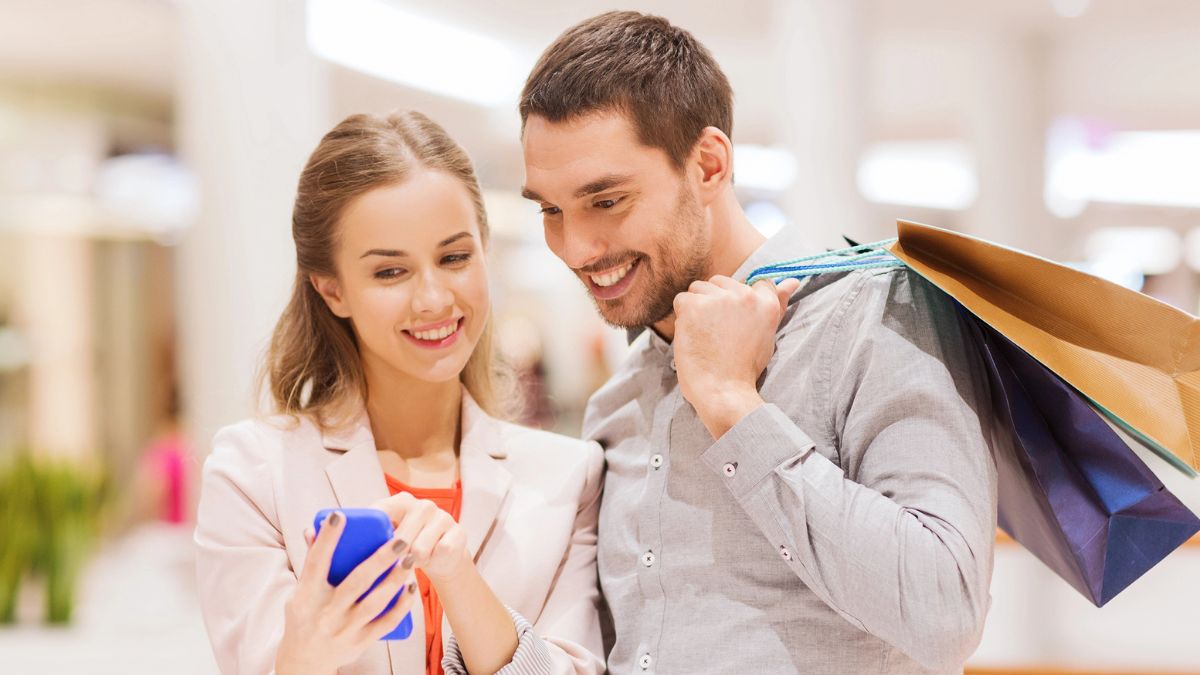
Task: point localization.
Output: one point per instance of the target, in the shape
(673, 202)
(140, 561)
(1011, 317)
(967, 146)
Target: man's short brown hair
(641, 65)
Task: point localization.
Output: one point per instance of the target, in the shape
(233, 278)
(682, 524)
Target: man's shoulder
(863, 296)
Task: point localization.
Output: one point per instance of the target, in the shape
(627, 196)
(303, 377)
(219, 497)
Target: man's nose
(580, 246)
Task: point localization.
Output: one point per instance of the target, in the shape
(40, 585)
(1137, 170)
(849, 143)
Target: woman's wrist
(464, 575)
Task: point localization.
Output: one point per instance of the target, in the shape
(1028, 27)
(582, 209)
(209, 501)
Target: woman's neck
(410, 417)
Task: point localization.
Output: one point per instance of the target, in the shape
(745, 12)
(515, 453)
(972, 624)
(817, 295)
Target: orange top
(450, 501)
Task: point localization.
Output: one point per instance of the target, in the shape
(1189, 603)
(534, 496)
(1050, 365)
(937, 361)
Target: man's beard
(678, 260)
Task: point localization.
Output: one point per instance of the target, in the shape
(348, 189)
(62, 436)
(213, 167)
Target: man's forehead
(566, 157)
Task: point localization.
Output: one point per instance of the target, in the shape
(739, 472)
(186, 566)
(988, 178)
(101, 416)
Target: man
(799, 478)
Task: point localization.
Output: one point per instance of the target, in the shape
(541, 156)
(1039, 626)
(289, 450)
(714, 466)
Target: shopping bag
(1070, 490)
(1136, 358)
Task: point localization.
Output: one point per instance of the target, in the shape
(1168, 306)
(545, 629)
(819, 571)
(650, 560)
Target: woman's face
(411, 276)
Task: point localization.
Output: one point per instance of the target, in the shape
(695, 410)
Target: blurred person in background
(798, 479)
(383, 380)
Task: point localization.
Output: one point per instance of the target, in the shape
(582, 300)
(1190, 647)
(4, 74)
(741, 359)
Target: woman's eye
(550, 211)
(456, 259)
(390, 273)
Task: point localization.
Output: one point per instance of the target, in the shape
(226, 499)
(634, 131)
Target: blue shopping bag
(1071, 491)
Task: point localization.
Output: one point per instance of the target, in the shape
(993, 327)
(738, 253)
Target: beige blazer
(530, 503)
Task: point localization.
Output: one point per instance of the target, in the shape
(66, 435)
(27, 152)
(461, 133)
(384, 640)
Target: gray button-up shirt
(844, 527)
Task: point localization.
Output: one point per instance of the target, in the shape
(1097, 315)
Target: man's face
(617, 213)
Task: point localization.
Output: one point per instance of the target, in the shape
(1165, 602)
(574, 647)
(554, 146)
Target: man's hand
(724, 338)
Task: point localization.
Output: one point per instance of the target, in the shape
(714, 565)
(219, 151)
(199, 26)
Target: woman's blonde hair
(313, 366)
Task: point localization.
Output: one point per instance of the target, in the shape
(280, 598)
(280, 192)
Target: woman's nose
(432, 294)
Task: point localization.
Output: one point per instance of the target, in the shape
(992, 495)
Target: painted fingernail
(335, 518)
(412, 587)
(408, 561)
(398, 546)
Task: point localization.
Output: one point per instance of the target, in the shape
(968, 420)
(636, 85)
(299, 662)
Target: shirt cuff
(758, 444)
(531, 658)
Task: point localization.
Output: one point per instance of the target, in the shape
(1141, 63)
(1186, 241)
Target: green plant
(18, 531)
(50, 519)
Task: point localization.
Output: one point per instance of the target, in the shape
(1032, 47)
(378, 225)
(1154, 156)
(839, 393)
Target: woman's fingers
(396, 506)
(320, 551)
(378, 598)
(309, 536)
(427, 539)
(417, 515)
(365, 573)
(385, 624)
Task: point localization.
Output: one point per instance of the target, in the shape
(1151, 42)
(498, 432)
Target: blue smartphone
(365, 531)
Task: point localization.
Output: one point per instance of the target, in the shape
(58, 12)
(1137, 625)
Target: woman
(381, 371)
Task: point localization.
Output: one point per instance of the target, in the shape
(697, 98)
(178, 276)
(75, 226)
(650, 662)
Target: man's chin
(623, 314)
(617, 316)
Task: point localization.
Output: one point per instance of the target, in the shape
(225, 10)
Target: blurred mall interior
(149, 151)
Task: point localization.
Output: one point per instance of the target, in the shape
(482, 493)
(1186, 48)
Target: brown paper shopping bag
(1135, 358)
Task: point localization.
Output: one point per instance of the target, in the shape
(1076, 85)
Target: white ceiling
(1127, 58)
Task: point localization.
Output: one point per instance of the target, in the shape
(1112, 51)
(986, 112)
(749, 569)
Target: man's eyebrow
(396, 253)
(603, 183)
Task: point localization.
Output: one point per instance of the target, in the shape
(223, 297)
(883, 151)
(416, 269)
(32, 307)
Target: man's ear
(331, 292)
(713, 157)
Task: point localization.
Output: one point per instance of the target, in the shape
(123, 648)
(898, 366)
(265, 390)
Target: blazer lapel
(485, 480)
(355, 476)
(357, 481)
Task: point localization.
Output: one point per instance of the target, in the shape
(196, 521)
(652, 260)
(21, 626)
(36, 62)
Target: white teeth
(606, 280)
(439, 334)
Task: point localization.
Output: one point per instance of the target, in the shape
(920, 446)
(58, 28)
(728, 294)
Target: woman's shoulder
(549, 450)
(263, 439)
(522, 439)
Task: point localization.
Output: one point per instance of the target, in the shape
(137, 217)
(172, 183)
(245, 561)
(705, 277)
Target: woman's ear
(713, 155)
(331, 292)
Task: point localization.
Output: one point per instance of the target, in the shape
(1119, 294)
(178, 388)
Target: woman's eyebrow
(386, 252)
(396, 253)
(453, 238)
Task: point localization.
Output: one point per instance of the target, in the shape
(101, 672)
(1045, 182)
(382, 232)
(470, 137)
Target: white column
(251, 106)
(819, 54)
(55, 306)
(1006, 124)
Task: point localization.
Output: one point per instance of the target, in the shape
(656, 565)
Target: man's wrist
(725, 407)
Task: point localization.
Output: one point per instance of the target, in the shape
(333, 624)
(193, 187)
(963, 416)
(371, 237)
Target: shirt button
(672, 365)
(656, 461)
(785, 553)
(648, 558)
(730, 469)
(645, 661)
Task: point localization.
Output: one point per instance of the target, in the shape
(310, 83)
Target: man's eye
(550, 211)
(606, 203)
(390, 273)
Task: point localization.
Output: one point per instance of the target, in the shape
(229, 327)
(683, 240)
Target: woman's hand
(324, 628)
(437, 543)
